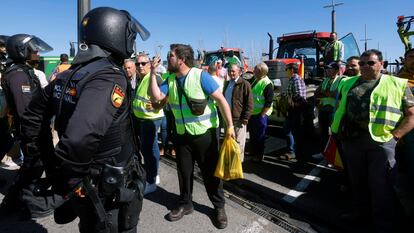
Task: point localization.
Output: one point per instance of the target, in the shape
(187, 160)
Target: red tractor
(307, 50)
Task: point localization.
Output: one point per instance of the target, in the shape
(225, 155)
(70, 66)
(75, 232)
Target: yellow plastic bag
(229, 166)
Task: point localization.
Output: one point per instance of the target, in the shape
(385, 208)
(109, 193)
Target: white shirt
(219, 81)
(42, 77)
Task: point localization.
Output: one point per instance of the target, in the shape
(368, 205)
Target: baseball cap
(332, 65)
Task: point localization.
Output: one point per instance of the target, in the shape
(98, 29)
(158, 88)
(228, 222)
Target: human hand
(155, 62)
(230, 132)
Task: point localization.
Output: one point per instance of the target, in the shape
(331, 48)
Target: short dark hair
(293, 66)
(64, 57)
(408, 51)
(371, 52)
(184, 52)
(352, 58)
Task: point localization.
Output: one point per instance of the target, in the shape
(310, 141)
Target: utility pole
(84, 6)
(366, 39)
(333, 16)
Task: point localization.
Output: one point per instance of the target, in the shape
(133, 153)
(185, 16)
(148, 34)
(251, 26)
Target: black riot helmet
(3, 40)
(21, 46)
(113, 30)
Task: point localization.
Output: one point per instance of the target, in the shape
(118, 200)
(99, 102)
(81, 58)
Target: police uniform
(96, 167)
(19, 85)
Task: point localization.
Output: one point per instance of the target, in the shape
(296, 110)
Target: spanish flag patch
(117, 96)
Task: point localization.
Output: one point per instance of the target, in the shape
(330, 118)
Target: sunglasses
(141, 63)
(370, 63)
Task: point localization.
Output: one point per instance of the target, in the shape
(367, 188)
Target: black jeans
(205, 150)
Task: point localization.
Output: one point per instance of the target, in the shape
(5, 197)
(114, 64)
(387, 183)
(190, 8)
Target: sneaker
(150, 188)
(11, 165)
(157, 179)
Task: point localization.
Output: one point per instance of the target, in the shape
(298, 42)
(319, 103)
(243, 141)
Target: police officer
(6, 141)
(97, 170)
(3, 54)
(19, 84)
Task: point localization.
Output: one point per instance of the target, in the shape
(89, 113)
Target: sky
(210, 24)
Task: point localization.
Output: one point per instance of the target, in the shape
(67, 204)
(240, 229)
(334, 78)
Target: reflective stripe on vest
(184, 119)
(385, 106)
(331, 90)
(258, 98)
(142, 99)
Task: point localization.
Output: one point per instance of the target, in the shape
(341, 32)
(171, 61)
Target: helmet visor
(137, 27)
(37, 44)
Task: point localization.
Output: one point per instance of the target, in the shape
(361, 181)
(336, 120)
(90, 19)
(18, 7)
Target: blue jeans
(164, 133)
(149, 147)
(292, 130)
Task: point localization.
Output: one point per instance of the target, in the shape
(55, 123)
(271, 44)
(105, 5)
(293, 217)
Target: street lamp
(333, 5)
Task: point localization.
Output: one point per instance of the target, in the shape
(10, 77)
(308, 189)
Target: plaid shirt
(296, 88)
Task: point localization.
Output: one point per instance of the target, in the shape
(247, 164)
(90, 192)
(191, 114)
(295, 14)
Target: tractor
(307, 50)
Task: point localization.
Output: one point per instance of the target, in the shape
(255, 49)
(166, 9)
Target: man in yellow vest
(352, 67)
(262, 88)
(375, 111)
(149, 116)
(191, 93)
(334, 52)
(325, 94)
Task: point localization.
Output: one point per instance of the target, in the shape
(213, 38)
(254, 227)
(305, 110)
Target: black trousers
(205, 150)
(6, 140)
(372, 171)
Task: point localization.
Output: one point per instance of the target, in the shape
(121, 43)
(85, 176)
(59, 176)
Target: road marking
(300, 188)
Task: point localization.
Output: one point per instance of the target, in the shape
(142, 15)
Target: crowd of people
(108, 147)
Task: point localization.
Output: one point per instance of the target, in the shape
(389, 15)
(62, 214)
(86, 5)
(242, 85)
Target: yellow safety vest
(385, 106)
(184, 119)
(258, 98)
(142, 101)
(330, 86)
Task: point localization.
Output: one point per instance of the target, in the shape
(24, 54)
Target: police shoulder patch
(117, 96)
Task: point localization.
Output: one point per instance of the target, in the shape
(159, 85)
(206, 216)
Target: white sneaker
(150, 188)
(157, 179)
(10, 165)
